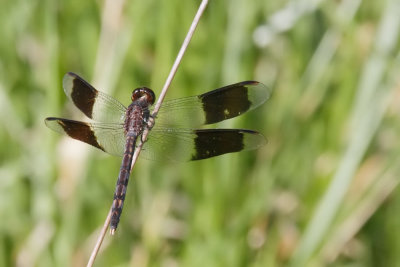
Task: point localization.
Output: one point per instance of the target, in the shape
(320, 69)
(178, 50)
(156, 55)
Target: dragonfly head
(145, 94)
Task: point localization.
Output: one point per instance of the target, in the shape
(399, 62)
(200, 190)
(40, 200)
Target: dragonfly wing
(196, 144)
(94, 104)
(108, 137)
(214, 106)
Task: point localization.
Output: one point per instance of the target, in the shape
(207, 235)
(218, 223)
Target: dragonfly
(116, 129)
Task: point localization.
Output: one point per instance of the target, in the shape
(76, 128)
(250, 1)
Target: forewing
(94, 104)
(214, 106)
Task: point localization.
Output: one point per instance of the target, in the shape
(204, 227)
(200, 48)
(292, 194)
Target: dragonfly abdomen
(122, 182)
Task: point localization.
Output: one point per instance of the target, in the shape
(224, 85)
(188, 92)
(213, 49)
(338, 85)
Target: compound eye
(150, 96)
(145, 92)
(136, 94)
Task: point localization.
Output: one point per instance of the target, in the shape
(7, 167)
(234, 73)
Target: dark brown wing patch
(82, 93)
(214, 142)
(226, 102)
(75, 129)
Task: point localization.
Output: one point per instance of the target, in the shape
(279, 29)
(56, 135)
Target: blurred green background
(322, 192)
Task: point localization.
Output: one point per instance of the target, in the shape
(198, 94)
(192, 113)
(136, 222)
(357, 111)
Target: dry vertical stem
(170, 77)
(100, 240)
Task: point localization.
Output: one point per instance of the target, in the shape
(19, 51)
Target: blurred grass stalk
(369, 107)
(42, 199)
